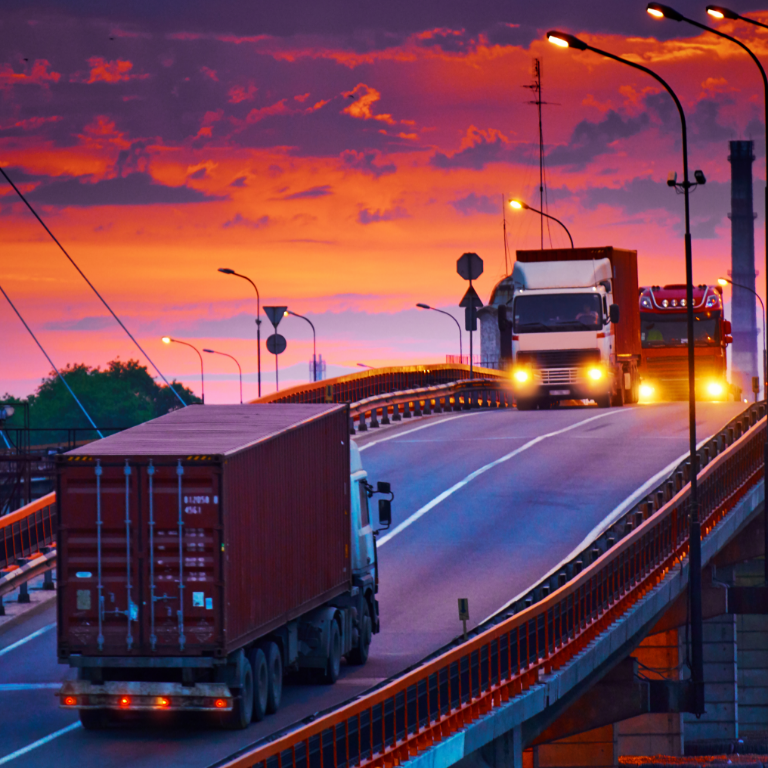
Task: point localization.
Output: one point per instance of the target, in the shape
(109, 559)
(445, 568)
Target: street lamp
(215, 352)
(314, 341)
(169, 340)
(565, 40)
(725, 281)
(521, 206)
(443, 312)
(227, 271)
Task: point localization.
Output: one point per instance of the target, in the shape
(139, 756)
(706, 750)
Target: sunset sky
(342, 154)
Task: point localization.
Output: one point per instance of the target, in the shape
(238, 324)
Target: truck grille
(563, 359)
(559, 375)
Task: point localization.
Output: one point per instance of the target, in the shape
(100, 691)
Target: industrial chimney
(744, 349)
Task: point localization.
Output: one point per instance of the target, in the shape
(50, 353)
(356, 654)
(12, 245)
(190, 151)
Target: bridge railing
(393, 723)
(27, 531)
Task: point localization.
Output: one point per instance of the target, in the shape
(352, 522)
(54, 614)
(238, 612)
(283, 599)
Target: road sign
(276, 344)
(464, 614)
(275, 315)
(471, 297)
(470, 318)
(470, 266)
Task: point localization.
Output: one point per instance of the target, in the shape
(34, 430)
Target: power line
(90, 284)
(63, 380)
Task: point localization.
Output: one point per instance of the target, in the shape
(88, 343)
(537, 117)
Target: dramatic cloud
(365, 162)
(312, 192)
(366, 216)
(478, 149)
(472, 203)
(242, 221)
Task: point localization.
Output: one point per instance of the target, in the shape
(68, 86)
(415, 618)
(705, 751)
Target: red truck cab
(664, 343)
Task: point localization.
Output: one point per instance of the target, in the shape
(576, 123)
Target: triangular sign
(471, 297)
(275, 314)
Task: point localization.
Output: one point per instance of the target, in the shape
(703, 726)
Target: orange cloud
(365, 98)
(39, 74)
(110, 71)
(237, 93)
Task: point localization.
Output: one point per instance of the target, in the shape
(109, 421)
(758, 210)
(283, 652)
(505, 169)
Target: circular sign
(276, 344)
(470, 266)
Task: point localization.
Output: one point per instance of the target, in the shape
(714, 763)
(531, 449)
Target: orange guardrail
(410, 714)
(376, 381)
(28, 529)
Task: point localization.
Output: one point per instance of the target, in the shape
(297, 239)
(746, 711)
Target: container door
(181, 574)
(99, 582)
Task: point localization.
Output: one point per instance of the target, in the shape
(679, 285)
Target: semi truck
(664, 340)
(575, 326)
(205, 553)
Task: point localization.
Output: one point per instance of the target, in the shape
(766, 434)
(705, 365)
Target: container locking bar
(179, 473)
(129, 607)
(152, 598)
(99, 585)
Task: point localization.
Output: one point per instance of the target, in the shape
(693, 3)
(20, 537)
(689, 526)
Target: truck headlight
(521, 376)
(646, 391)
(595, 373)
(715, 389)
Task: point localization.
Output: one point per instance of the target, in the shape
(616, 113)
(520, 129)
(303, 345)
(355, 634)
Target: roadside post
(276, 343)
(470, 267)
(464, 614)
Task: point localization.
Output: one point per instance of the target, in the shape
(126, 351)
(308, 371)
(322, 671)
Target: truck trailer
(664, 339)
(205, 553)
(575, 326)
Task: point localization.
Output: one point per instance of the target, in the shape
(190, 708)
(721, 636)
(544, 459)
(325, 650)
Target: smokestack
(744, 348)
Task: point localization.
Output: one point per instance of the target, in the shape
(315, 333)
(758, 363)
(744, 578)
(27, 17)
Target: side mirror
(382, 487)
(728, 338)
(385, 513)
(727, 329)
(613, 313)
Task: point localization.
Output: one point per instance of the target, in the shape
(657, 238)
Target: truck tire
(617, 401)
(603, 401)
(260, 667)
(333, 666)
(239, 717)
(359, 654)
(526, 403)
(274, 676)
(93, 719)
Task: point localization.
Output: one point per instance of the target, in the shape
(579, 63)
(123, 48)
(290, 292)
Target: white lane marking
(469, 478)
(604, 524)
(4, 687)
(38, 743)
(417, 429)
(26, 639)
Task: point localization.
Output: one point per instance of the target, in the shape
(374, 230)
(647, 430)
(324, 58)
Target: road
(486, 503)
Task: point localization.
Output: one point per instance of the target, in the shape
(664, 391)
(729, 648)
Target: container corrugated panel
(262, 495)
(625, 286)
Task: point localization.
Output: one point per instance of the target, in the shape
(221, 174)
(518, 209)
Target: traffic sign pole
(276, 343)
(470, 267)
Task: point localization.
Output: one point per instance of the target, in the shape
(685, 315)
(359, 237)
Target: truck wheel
(526, 403)
(617, 401)
(242, 706)
(359, 654)
(333, 667)
(603, 401)
(258, 660)
(93, 719)
(274, 676)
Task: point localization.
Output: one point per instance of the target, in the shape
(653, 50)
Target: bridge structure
(567, 530)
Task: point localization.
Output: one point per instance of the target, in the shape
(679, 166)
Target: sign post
(470, 267)
(464, 614)
(276, 343)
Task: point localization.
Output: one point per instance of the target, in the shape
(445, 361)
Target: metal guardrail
(411, 713)
(27, 531)
(355, 387)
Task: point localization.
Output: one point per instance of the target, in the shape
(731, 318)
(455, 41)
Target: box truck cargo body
(209, 537)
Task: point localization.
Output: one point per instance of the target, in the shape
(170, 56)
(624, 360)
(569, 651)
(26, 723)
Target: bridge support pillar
(505, 751)
(752, 654)
(598, 747)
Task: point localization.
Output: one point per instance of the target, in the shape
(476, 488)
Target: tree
(122, 395)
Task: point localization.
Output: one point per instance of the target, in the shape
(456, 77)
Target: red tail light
(125, 701)
(220, 703)
(163, 702)
(70, 701)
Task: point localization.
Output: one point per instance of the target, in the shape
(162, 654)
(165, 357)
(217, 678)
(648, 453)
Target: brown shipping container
(258, 497)
(625, 286)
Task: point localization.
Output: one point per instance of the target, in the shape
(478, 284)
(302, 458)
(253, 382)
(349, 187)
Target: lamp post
(314, 341)
(216, 352)
(169, 340)
(726, 281)
(227, 271)
(443, 312)
(363, 365)
(697, 661)
(520, 205)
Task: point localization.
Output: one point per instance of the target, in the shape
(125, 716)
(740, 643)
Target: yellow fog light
(715, 389)
(646, 391)
(595, 374)
(521, 376)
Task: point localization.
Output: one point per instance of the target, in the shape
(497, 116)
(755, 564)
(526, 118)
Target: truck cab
(664, 341)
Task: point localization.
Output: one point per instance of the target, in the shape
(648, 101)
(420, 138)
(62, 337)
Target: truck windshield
(657, 330)
(544, 313)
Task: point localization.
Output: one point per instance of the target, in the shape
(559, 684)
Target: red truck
(203, 553)
(664, 340)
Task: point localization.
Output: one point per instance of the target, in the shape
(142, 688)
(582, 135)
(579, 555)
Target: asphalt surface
(486, 502)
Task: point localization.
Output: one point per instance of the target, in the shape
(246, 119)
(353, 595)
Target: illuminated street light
(521, 206)
(169, 340)
(227, 271)
(216, 352)
(442, 312)
(697, 661)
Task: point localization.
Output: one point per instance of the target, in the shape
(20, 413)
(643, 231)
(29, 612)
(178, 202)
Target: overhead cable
(90, 284)
(63, 380)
